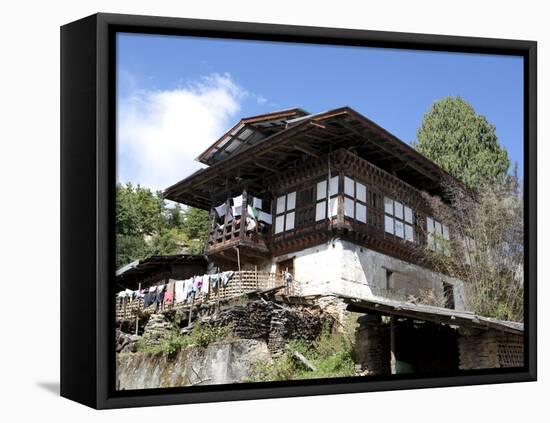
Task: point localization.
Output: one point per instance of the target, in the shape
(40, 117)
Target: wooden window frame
(355, 200)
(284, 213)
(401, 220)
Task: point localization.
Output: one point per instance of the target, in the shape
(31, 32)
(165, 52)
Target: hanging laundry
(180, 295)
(187, 287)
(252, 212)
(229, 215)
(149, 299)
(250, 224)
(265, 217)
(190, 286)
(238, 201)
(160, 294)
(237, 205)
(214, 279)
(169, 294)
(220, 210)
(205, 284)
(196, 281)
(257, 203)
(226, 277)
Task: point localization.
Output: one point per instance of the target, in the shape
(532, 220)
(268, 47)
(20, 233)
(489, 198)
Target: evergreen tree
(462, 142)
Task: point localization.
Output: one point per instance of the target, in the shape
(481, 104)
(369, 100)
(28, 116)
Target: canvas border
(94, 361)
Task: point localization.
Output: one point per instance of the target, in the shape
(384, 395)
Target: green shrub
(200, 336)
(332, 355)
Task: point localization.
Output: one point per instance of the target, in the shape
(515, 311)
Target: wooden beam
(306, 149)
(266, 167)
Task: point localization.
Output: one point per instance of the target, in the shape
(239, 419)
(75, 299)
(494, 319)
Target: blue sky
(178, 94)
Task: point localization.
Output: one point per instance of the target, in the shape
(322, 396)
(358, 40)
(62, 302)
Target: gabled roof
(293, 136)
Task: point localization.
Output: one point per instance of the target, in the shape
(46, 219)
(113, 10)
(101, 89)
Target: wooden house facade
(331, 198)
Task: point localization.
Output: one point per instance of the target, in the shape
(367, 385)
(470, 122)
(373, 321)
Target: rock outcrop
(220, 363)
(156, 330)
(125, 342)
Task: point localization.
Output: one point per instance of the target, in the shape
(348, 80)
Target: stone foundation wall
(489, 349)
(372, 345)
(272, 323)
(125, 342)
(157, 329)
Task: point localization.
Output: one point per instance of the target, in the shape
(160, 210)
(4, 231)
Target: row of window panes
(398, 219)
(321, 197)
(355, 200)
(286, 203)
(284, 209)
(322, 188)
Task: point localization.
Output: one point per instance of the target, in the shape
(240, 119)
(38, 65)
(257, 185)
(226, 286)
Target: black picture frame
(87, 206)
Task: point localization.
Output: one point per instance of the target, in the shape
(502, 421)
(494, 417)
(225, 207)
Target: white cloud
(160, 132)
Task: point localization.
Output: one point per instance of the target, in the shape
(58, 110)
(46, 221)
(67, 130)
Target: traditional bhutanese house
(331, 198)
(340, 208)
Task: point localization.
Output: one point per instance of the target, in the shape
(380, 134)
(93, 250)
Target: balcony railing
(239, 224)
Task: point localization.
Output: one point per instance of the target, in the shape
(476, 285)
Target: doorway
(286, 266)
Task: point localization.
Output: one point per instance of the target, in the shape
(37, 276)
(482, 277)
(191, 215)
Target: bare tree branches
(486, 248)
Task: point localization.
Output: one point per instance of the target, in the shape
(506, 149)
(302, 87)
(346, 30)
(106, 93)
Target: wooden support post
(137, 311)
(213, 228)
(392, 346)
(191, 311)
(244, 215)
(239, 266)
(224, 231)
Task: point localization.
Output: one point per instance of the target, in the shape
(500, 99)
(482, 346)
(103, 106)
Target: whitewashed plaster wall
(342, 267)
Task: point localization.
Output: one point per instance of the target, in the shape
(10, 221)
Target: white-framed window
(355, 200)
(326, 190)
(285, 212)
(398, 219)
(438, 235)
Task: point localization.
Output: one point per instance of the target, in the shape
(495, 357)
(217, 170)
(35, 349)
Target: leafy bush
(201, 336)
(332, 355)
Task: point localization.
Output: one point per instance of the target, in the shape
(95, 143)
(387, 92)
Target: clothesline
(254, 210)
(178, 291)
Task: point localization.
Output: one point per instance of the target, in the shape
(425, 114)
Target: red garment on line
(169, 294)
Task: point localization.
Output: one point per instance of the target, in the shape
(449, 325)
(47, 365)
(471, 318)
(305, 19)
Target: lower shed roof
(140, 270)
(431, 314)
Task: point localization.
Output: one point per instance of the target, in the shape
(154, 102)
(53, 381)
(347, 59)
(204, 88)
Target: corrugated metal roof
(432, 313)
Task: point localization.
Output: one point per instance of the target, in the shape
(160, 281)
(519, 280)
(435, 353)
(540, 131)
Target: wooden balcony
(238, 236)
